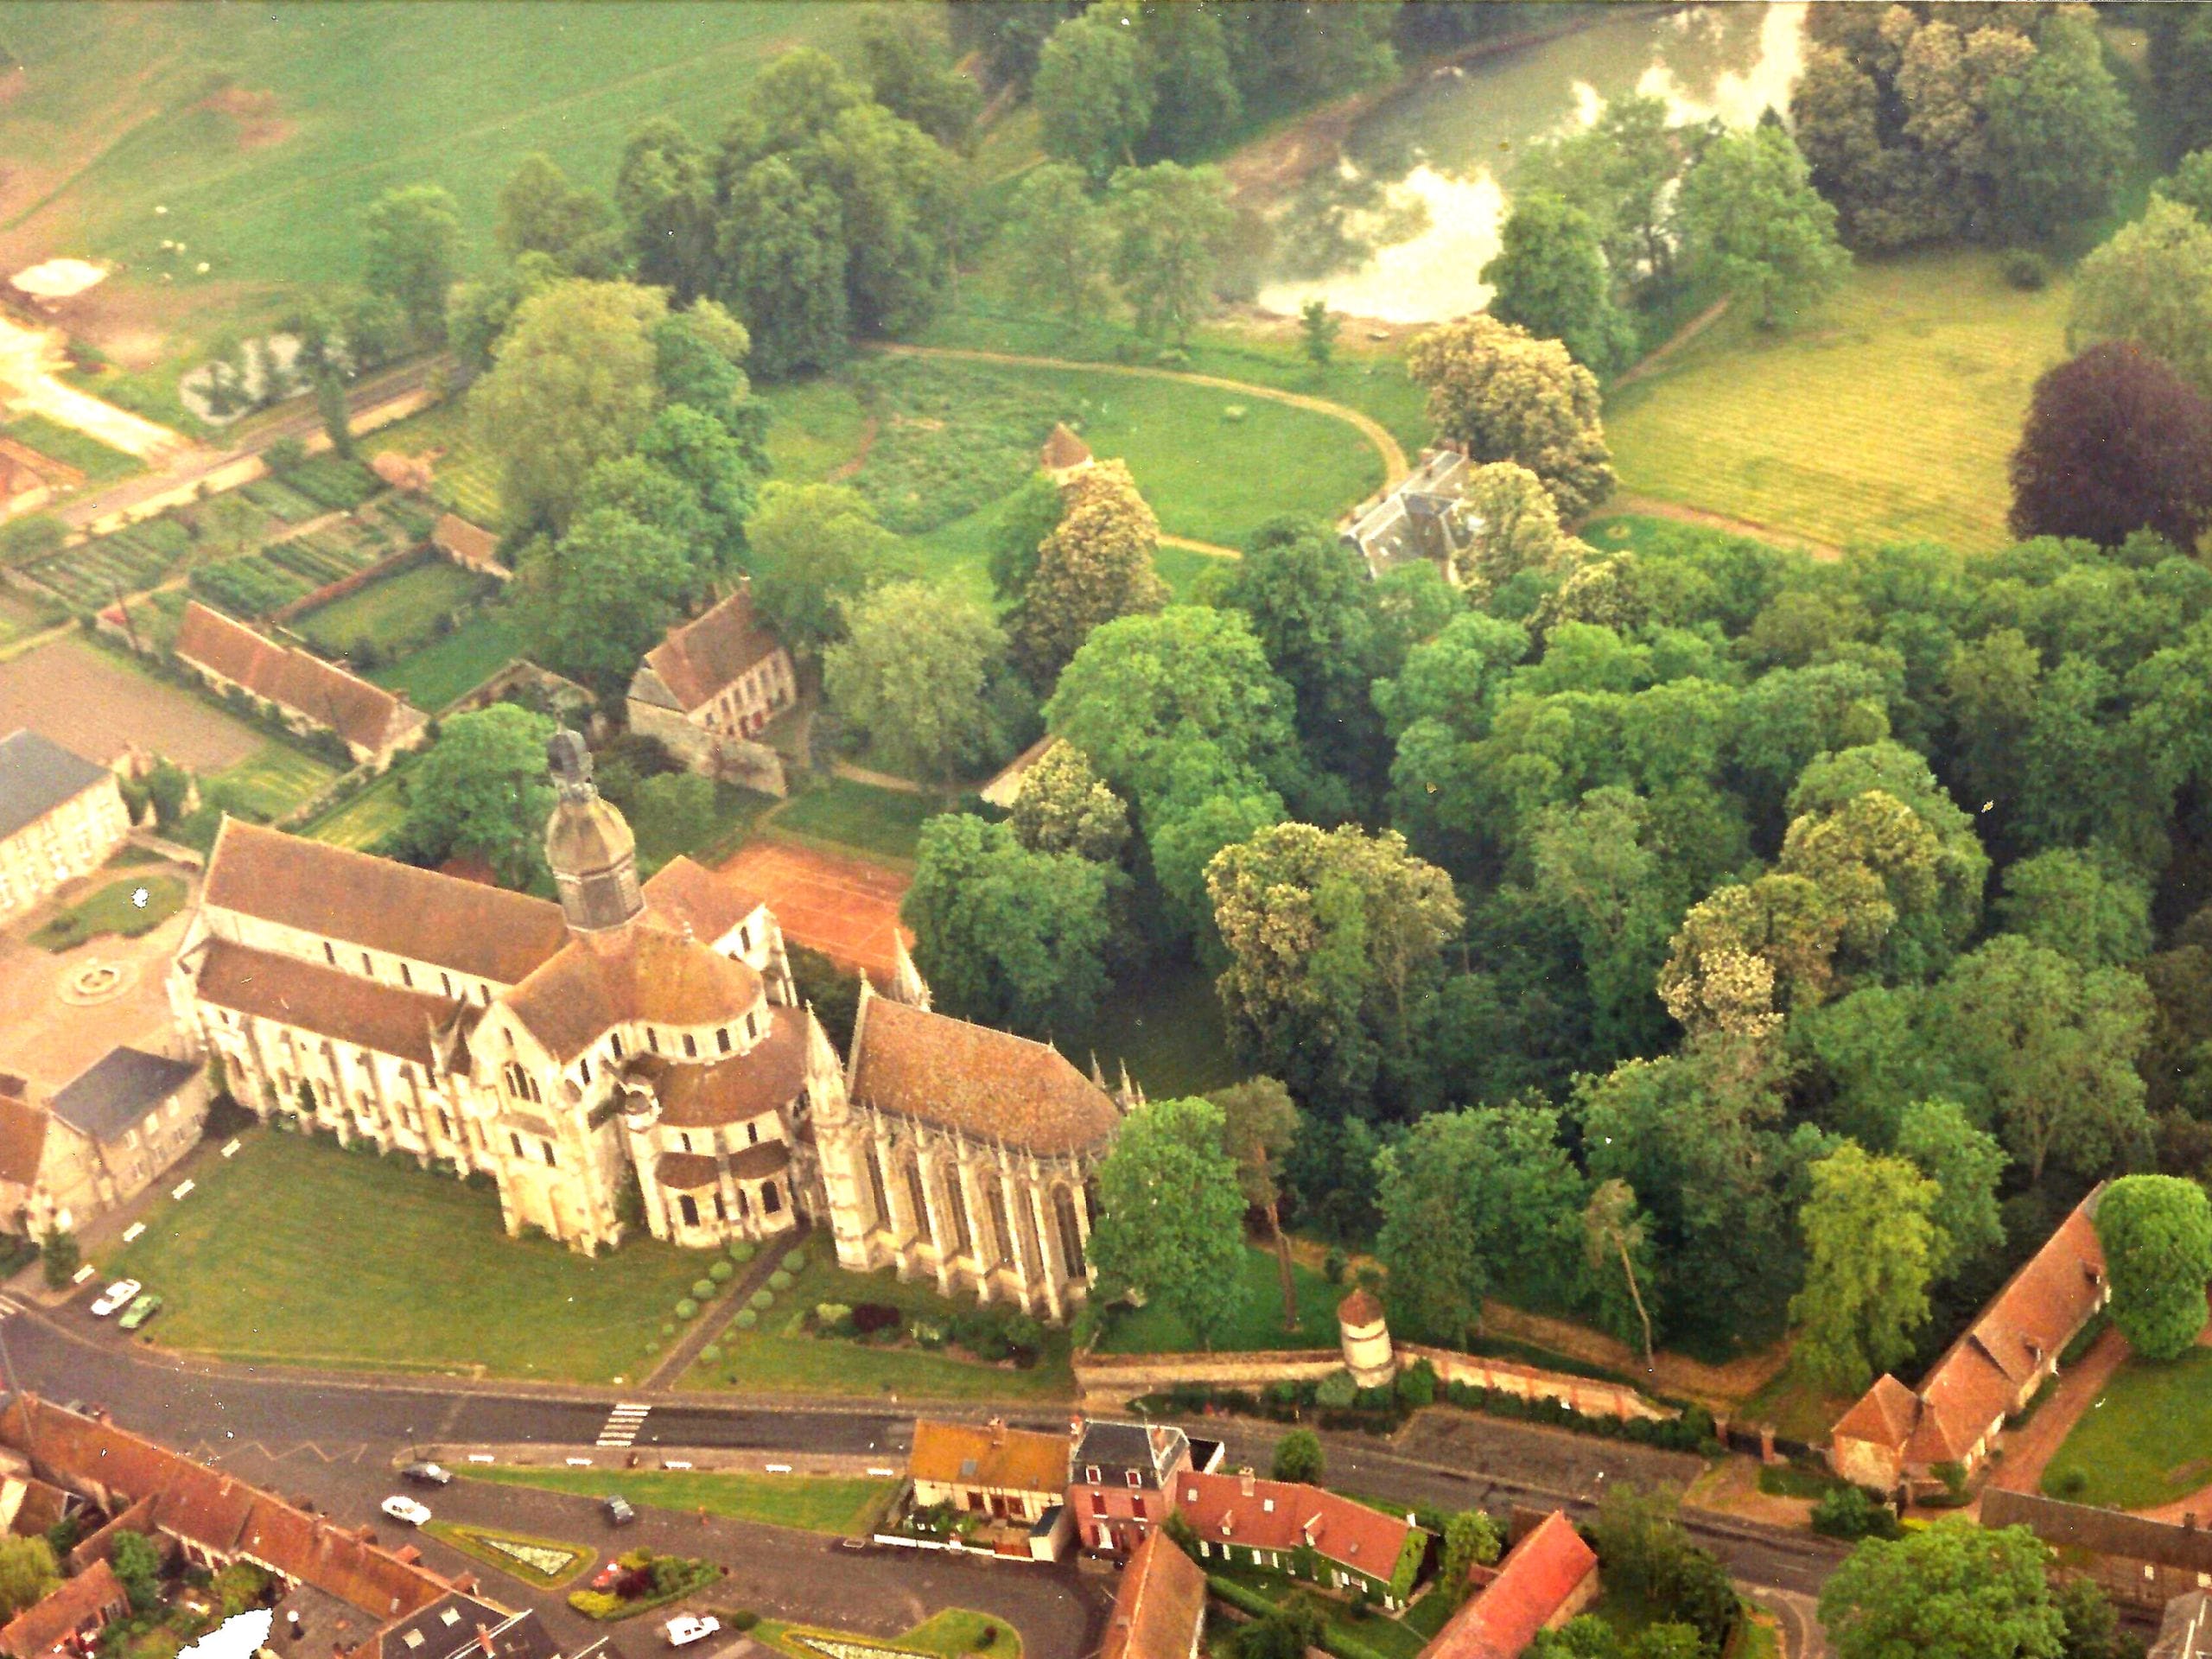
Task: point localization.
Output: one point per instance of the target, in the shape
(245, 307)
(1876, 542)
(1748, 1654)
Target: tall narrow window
(690, 1046)
(689, 1206)
(771, 1199)
(721, 1038)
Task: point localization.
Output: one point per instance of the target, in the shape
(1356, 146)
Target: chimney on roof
(998, 1431)
(1245, 1478)
(2189, 1521)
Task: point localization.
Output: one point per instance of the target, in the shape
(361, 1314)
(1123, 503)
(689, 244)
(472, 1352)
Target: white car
(407, 1510)
(118, 1294)
(685, 1629)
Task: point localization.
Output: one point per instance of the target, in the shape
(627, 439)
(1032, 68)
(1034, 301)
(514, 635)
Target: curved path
(1377, 436)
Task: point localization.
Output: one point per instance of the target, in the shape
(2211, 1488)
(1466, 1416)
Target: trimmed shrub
(1417, 1384)
(795, 1260)
(703, 1290)
(832, 1317)
(779, 1280)
(763, 1300)
(2024, 269)
(745, 1320)
(1336, 1391)
(711, 1353)
(668, 1330)
(687, 1309)
(723, 1272)
(744, 1619)
(742, 1250)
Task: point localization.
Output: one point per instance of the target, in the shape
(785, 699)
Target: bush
(1851, 1513)
(745, 1320)
(711, 1353)
(63, 1257)
(795, 1260)
(763, 1300)
(832, 1317)
(779, 1280)
(2024, 269)
(1334, 1265)
(742, 1250)
(1417, 1384)
(721, 1273)
(668, 1330)
(744, 1619)
(929, 1333)
(703, 1290)
(596, 1604)
(687, 1309)
(869, 1318)
(1336, 1391)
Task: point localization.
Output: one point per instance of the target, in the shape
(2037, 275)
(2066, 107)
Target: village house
(1421, 517)
(69, 1620)
(2139, 1561)
(306, 693)
(648, 1029)
(708, 689)
(1892, 1438)
(1544, 1580)
(61, 816)
(1159, 1611)
(105, 1138)
(1014, 1474)
(1275, 1524)
(1122, 1482)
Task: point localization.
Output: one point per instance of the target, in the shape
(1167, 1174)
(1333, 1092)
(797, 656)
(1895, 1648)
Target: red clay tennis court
(845, 907)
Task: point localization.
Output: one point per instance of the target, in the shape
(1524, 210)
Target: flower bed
(665, 1579)
(546, 1562)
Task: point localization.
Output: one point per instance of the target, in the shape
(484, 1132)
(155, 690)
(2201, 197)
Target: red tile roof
(1360, 1309)
(338, 893)
(698, 660)
(690, 895)
(1283, 1514)
(641, 972)
(1533, 1584)
(746, 1085)
(92, 1596)
(365, 715)
(1161, 1606)
(468, 544)
(991, 1084)
(371, 1015)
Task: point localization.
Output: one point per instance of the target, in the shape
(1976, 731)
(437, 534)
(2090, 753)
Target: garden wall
(390, 565)
(1584, 1394)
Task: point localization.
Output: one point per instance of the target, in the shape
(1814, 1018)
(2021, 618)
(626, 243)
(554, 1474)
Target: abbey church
(635, 1055)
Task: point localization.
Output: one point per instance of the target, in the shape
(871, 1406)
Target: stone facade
(98, 1143)
(61, 816)
(297, 687)
(706, 691)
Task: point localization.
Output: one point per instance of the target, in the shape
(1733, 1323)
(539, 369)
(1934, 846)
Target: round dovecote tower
(1366, 1340)
(588, 844)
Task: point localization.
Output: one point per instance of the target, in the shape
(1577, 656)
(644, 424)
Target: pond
(1400, 228)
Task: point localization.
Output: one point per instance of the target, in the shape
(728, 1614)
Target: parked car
(426, 1474)
(139, 1312)
(406, 1510)
(618, 1512)
(115, 1295)
(684, 1630)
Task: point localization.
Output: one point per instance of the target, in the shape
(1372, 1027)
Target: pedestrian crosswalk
(622, 1425)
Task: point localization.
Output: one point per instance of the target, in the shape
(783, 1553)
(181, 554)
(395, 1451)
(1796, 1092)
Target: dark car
(618, 1512)
(426, 1474)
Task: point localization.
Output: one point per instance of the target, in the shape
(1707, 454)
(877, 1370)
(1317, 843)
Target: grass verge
(847, 1508)
(485, 1544)
(98, 462)
(131, 907)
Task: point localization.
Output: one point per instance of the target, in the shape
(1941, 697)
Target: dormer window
(1134, 1478)
(1091, 1477)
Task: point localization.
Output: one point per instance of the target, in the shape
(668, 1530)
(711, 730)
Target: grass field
(781, 1357)
(96, 461)
(1258, 1326)
(115, 908)
(1889, 416)
(2147, 1440)
(365, 819)
(483, 1544)
(449, 667)
(399, 613)
(273, 780)
(882, 822)
(267, 1262)
(815, 427)
(955, 1633)
(848, 1507)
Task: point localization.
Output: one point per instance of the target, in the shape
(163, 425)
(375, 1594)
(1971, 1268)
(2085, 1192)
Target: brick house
(1268, 1523)
(67, 1621)
(1121, 1483)
(61, 816)
(306, 693)
(1159, 1611)
(1894, 1437)
(708, 689)
(1544, 1580)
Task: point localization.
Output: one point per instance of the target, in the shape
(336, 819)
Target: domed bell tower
(592, 852)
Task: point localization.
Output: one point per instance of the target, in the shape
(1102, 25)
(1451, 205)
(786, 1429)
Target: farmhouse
(61, 816)
(1893, 1437)
(103, 1140)
(707, 689)
(1290, 1527)
(1544, 1580)
(634, 1030)
(307, 693)
(1159, 1611)
(1420, 518)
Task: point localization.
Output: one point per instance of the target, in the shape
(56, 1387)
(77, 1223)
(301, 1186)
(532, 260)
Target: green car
(139, 1312)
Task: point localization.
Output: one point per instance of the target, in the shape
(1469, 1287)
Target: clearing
(365, 820)
(1889, 416)
(272, 781)
(263, 1264)
(2144, 1442)
(848, 1507)
(96, 701)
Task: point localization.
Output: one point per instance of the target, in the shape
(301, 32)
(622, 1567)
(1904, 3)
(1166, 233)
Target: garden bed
(547, 1563)
(665, 1577)
(131, 907)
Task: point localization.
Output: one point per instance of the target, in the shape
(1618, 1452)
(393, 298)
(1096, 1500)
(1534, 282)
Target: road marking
(83, 1273)
(133, 1230)
(8, 1304)
(179, 1193)
(580, 1463)
(622, 1425)
(481, 1457)
(231, 1150)
(881, 1472)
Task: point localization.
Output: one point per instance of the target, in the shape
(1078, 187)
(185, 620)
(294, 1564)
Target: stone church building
(635, 1055)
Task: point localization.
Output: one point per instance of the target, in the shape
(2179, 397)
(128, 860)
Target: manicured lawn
(882, 822)
(810, 1504)
(1430, 1612)
(96, 461)
(1166, 1027)
(955, 1633)
(1258, 1326)
(484, 1544)
(447, 668)
(2147, 1440)
(1377, 1631)
(115, 908)
(365, 820)
(735, 810)
(295, 1252)
(780, 1355)
(1889, 416)
(1798, 1407)
(399, 613)
(274, 780)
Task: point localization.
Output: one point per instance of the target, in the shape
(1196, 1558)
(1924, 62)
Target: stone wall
(728, 760)
(1587, 1396)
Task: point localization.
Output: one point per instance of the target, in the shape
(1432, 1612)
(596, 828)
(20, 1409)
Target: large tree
(1004, 935)
(664, 190)
(27, 1575)
(2153, 283)
(1871, 1249)
(2092, 909)
(908, 74)
(1170, 1222)
(2061, 132)
(1502, 395)
(782, 251)
(1753, 225)
(1059, 242)
(542, 212)
(814, 548)
(482, 790)
(1093, 93)
(1952, 1591)
(1618, 172)
(2116, 442)
(1259, 1124)
(1171, 220)
(602, 596)
(1063, 806)
(2157, 1234)
(1965, 1164)
(573, 386)
(1550, 277)
(912, 674)
(411, 254)
(1094, 565)
(1332, 936)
